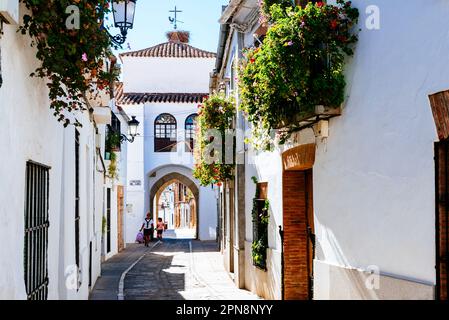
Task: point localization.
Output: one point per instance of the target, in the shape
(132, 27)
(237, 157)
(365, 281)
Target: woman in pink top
(160, 228)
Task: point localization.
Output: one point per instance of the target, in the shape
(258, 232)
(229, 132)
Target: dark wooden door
(441, 218)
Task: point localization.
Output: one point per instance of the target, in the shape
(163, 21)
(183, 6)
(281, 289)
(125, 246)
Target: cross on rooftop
(175, 20)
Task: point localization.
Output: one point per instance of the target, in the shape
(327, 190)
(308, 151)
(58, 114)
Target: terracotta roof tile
(140, 98)
(171, 49)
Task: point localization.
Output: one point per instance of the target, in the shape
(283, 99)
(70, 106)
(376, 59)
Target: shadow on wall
(357, 280)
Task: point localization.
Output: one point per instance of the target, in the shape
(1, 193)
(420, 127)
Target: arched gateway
(161, 185)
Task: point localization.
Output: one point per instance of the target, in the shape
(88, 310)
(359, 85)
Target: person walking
(160, 229)
(148, 229)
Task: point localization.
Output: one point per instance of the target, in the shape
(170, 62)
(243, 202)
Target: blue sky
(200, 17)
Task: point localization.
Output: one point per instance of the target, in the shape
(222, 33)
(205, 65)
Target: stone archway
(168, 179)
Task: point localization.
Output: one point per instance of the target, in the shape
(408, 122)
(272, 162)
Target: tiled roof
(171, 49)
(140, 98)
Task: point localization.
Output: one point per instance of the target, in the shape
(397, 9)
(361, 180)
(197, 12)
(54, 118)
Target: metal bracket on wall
(1, 33)
(1, 79)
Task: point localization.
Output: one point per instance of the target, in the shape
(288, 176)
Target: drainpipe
(281, 233)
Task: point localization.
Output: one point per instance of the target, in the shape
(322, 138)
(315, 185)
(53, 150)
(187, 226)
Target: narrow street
(170, 270)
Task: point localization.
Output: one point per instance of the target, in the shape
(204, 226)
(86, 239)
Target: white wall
(376, 171)
(28, 129)
(164, 75)
(374, 197)
(135, 171)
(31, 132)
(180, 111)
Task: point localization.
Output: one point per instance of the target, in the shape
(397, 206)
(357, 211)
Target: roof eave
(230, 11)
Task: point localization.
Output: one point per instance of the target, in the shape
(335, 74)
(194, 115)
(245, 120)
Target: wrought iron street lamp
(133, 124)
(123, 11)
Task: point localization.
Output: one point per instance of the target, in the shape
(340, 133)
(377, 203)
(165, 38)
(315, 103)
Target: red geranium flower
(334, 24)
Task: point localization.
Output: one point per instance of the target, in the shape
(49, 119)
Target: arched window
(165, 133)
(190, 130)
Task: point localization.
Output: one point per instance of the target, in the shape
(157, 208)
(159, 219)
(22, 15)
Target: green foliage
(113, 168)
(265, 6)
(216, 113)
(259, 253)
(299, 65)
(71, 60)
(261, 218)
(103, 225)
(113, 141)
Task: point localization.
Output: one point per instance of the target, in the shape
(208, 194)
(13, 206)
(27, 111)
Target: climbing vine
(113, 166)
(261, 219)
(72, 59)
(299, 65)
(215, 116)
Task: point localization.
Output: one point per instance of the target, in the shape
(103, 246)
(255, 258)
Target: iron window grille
(260, 226)
(36, 231)
(165, 130)
(113, 135)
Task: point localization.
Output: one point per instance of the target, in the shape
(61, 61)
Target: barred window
(165, 129)
(36, 231)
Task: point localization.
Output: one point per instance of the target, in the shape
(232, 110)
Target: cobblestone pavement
(172, 270)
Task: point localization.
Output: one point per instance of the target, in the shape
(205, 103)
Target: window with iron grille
(108, 220)
(260, 226)
(36, 231)
(190, 130)
(113, 135)
(165, 133)
(77, 199)
(115, 123)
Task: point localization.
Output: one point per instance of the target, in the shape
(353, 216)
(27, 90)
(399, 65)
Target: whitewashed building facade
(54, 181)
(371, 183)
(162, 87)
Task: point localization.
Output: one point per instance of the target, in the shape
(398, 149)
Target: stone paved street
(172, 270)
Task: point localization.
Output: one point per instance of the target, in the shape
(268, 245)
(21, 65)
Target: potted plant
(113, 142)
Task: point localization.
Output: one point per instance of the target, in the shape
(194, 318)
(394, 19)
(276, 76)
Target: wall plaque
(135, 183)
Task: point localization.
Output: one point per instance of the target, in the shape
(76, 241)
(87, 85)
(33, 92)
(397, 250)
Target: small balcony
(308, 119)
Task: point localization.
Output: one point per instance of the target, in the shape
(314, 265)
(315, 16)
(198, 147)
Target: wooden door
(441, 218)
(231, 214)
(310, 229)
(120, 212)
(299, 238)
